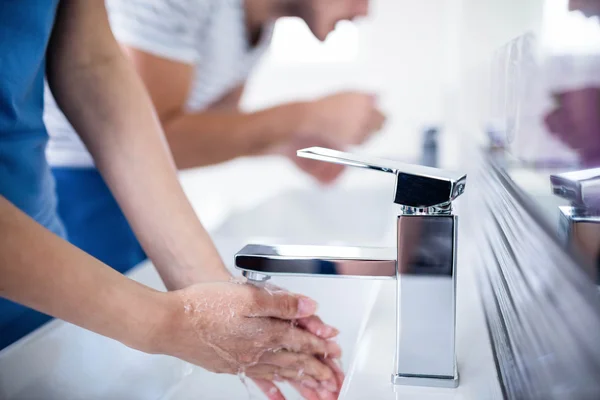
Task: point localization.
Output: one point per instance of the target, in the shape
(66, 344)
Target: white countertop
(62, 361)
(369, 376)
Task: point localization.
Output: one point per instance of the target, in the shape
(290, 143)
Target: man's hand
(336, 122)
(232, 328)
(325, 173)
(344, 119)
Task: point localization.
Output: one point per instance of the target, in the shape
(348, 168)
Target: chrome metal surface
(580, 223)
(425, 381)
(327, 261)
(423, 264)
(255, 276)
(539, 304)
(439, 210)
(580, 230)
(416, 185)
(425, 348)
(582, 188)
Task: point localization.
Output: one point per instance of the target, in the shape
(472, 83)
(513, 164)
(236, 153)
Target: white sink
(62, 361)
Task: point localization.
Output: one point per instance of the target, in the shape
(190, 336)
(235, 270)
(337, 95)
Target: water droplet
(242, 375)
(187, 370)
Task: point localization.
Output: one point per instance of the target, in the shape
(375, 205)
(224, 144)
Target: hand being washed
(232, 328)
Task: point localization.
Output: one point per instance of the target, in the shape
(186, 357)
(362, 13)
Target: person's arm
(42, 271)
(229, 102)
(220, 134)
(103, 98)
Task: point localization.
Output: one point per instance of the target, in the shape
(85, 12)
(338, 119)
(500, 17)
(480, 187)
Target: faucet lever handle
(416, 185)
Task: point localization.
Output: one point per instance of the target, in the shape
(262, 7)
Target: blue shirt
(25, 178)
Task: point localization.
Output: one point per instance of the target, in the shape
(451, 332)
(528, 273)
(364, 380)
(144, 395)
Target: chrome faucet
(423, 263)
(580, 221)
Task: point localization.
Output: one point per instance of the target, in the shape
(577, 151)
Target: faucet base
(426, 381)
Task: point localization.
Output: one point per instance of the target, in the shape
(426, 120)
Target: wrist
(170, 318)
(164, 319)
(191, 259)
(305, 119)
(144, 319)
(182, 276)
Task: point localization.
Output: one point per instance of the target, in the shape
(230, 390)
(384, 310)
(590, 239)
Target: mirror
(544, 121)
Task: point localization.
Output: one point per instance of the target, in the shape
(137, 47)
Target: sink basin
(306, 217)
(62, 361)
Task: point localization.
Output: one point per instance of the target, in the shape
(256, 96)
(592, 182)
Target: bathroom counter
(369, 375)
(62, 361)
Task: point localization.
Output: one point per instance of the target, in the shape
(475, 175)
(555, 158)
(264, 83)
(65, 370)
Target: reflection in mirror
(545, 117)
(580, 221)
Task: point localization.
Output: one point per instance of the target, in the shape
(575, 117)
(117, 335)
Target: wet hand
(308, 388)
(232, 328)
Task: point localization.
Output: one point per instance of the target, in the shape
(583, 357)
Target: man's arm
(222, 132)
(103, 98)
(218, 134)
(42, 271)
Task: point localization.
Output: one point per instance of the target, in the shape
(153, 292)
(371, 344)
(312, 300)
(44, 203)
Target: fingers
(377, 120)
(274, 373)
(324, 173)
(371, 125)
(305, 364)
(280, 304)
(309, 388)
(331, 173)
(315, 325)
(301, 341)
(313, 394)
(306, 392)
(269, 389)
(337, 370)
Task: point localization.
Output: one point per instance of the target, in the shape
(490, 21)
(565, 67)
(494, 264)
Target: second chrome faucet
(423, 264)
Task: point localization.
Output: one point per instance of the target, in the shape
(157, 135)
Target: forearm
(106, 103)
(42, 271)
(211, 137)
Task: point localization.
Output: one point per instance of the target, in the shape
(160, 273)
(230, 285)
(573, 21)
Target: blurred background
(459, 65)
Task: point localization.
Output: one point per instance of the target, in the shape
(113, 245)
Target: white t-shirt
(209, 34)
